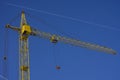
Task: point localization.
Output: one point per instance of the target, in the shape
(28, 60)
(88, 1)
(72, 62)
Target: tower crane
(26, 30)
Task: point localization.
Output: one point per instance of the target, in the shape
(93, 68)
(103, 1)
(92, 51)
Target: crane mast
(24, 71)
(25, 31)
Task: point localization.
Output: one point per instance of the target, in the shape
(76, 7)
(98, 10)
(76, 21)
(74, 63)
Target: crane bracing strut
(25, 31)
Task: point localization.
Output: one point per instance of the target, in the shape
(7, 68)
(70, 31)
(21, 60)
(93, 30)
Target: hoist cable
(54, 54)
(6, 51)
(55, 57)
(5, 55)
(6, 41)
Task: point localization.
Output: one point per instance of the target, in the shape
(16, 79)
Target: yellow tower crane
(25, 31)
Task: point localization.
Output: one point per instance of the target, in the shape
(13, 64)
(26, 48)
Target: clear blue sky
(76, 63)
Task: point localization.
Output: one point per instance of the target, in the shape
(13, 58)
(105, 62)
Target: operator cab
(25, 31)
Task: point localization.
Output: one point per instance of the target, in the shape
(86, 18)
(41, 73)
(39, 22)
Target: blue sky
(76, 63)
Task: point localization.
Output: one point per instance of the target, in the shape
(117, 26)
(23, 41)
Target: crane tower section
(24, 31)
(24, 71)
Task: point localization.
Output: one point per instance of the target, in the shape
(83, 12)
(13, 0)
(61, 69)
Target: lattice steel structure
(25, 31)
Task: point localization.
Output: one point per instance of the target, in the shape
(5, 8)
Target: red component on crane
(58, 67)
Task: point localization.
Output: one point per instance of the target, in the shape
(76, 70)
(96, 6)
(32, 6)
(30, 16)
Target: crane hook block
(54, 39)
(5, 58)
(58, 67)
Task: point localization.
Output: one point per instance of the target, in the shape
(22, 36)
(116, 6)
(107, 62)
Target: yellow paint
(25, 30)
(54, 39)
(24, 68)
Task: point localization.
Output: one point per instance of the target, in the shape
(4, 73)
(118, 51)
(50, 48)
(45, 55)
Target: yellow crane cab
(25, 30)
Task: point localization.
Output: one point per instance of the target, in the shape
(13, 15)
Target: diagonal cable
(65, 17)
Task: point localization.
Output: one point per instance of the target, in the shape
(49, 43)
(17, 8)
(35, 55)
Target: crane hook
(58, 67)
